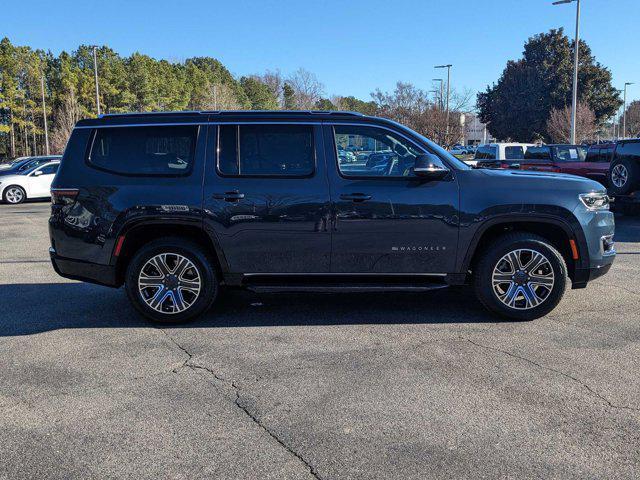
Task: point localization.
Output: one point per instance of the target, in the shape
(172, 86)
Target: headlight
(595, 201)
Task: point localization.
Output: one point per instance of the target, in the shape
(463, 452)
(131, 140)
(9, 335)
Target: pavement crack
(188, 363)
(559, 372)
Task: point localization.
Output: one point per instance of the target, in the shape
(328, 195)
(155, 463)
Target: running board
(344, 288)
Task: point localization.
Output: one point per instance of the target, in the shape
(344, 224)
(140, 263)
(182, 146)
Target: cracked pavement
(313, 386)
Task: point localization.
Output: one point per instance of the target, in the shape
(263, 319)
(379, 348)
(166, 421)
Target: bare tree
(66, 116)
(559, 124)
(306, 87)
(633, 119)
(275, 82)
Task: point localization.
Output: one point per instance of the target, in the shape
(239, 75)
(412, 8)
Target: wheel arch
(557, 231)
(137, 235)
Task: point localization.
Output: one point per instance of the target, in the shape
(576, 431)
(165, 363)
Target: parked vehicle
(573, 159)
(624, 174)
(28, 184)
(459, 151)
(500, 155)
(173, 206)
(23, 164)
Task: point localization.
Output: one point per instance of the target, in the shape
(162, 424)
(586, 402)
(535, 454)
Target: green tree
(519, 104)
(325, 104)
(259, 94)
(289, 97)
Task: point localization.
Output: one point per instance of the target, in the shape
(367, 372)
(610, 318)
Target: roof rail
(233, 112)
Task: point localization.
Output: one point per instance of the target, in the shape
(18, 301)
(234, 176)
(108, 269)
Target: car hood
(542, 180)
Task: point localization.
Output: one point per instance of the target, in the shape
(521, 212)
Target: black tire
(22, 199)
(173, 247)
(484, 269)
(633, 177)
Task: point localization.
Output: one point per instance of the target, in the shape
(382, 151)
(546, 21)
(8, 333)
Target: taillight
(63, 196)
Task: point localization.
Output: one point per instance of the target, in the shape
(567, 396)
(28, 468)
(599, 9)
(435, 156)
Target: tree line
(140, 83)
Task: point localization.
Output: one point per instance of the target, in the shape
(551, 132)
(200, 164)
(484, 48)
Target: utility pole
(624, 111)
(574, 99)
(448, 67)
(441, 92)
(44, 116)
(95, 74)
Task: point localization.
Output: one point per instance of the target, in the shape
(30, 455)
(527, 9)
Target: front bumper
(84, 271)
(598, 228)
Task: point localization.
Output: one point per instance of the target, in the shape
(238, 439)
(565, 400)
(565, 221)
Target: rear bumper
(84, 271)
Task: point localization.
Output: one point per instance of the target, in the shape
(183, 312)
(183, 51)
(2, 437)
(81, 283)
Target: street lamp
(441, 83)
(574, 104)
(448, 67)
(624, 111)
(95, 74)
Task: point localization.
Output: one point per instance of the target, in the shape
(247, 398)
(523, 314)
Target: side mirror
(429, 166)
(37, 173)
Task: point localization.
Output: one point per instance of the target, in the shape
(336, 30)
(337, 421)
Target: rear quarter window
(485, 153)
(628, 151)
(538, 153)
(144, 151)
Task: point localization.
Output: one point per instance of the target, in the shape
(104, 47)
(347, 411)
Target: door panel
(271, 223)
(394, 223)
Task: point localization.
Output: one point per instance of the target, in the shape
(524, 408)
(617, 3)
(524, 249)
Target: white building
(475, 132)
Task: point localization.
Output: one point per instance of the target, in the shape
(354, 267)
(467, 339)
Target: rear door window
(162, 150)
(538, 153)
(266, 150)
(514, 153)
(485, 152)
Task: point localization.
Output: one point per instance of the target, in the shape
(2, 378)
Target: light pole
(574, 99)
(448, 67)
(95, 74)
(624, 111)
(441, 83)
(44, 116)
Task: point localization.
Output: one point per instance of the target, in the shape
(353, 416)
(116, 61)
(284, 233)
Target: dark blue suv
(177, 205)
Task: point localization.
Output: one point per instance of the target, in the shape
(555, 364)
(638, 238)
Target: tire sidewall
(6, 190)
(209, 287)
(484, 273)
(632, 179)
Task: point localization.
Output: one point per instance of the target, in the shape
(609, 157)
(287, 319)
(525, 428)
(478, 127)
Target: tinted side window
(144, 150)
(538, 153)
(628, 151)
(513, 153)
(485, 153)
(271, 150)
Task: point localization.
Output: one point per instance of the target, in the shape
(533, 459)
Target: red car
(574, 159)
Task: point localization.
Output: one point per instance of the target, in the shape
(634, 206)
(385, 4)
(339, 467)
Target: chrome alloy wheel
(169, 283)
(619, 175)
(523, 279)
(14, 195)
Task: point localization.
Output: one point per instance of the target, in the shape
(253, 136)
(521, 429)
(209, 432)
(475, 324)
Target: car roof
(222, 116)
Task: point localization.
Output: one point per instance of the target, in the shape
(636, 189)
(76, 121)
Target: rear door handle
(355, 197)
(229, 196)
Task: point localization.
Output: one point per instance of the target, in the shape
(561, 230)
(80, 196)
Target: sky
(353, 46)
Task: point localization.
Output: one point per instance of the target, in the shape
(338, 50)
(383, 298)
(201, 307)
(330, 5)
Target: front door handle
(355, 197)
(229, 196)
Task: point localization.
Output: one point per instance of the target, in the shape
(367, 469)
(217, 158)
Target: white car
(34, 183)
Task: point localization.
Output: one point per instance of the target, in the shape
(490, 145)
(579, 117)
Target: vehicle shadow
(35, 308)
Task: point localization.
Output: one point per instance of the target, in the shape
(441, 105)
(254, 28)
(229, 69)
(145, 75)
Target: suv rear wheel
(171, 280)
(624, 176)
(522, 276)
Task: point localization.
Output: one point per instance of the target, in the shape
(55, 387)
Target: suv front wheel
(522, 276)
(171, 280)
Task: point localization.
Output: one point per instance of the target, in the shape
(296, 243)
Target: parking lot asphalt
(313, 386)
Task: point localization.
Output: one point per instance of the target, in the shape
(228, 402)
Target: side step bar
(344, 288)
